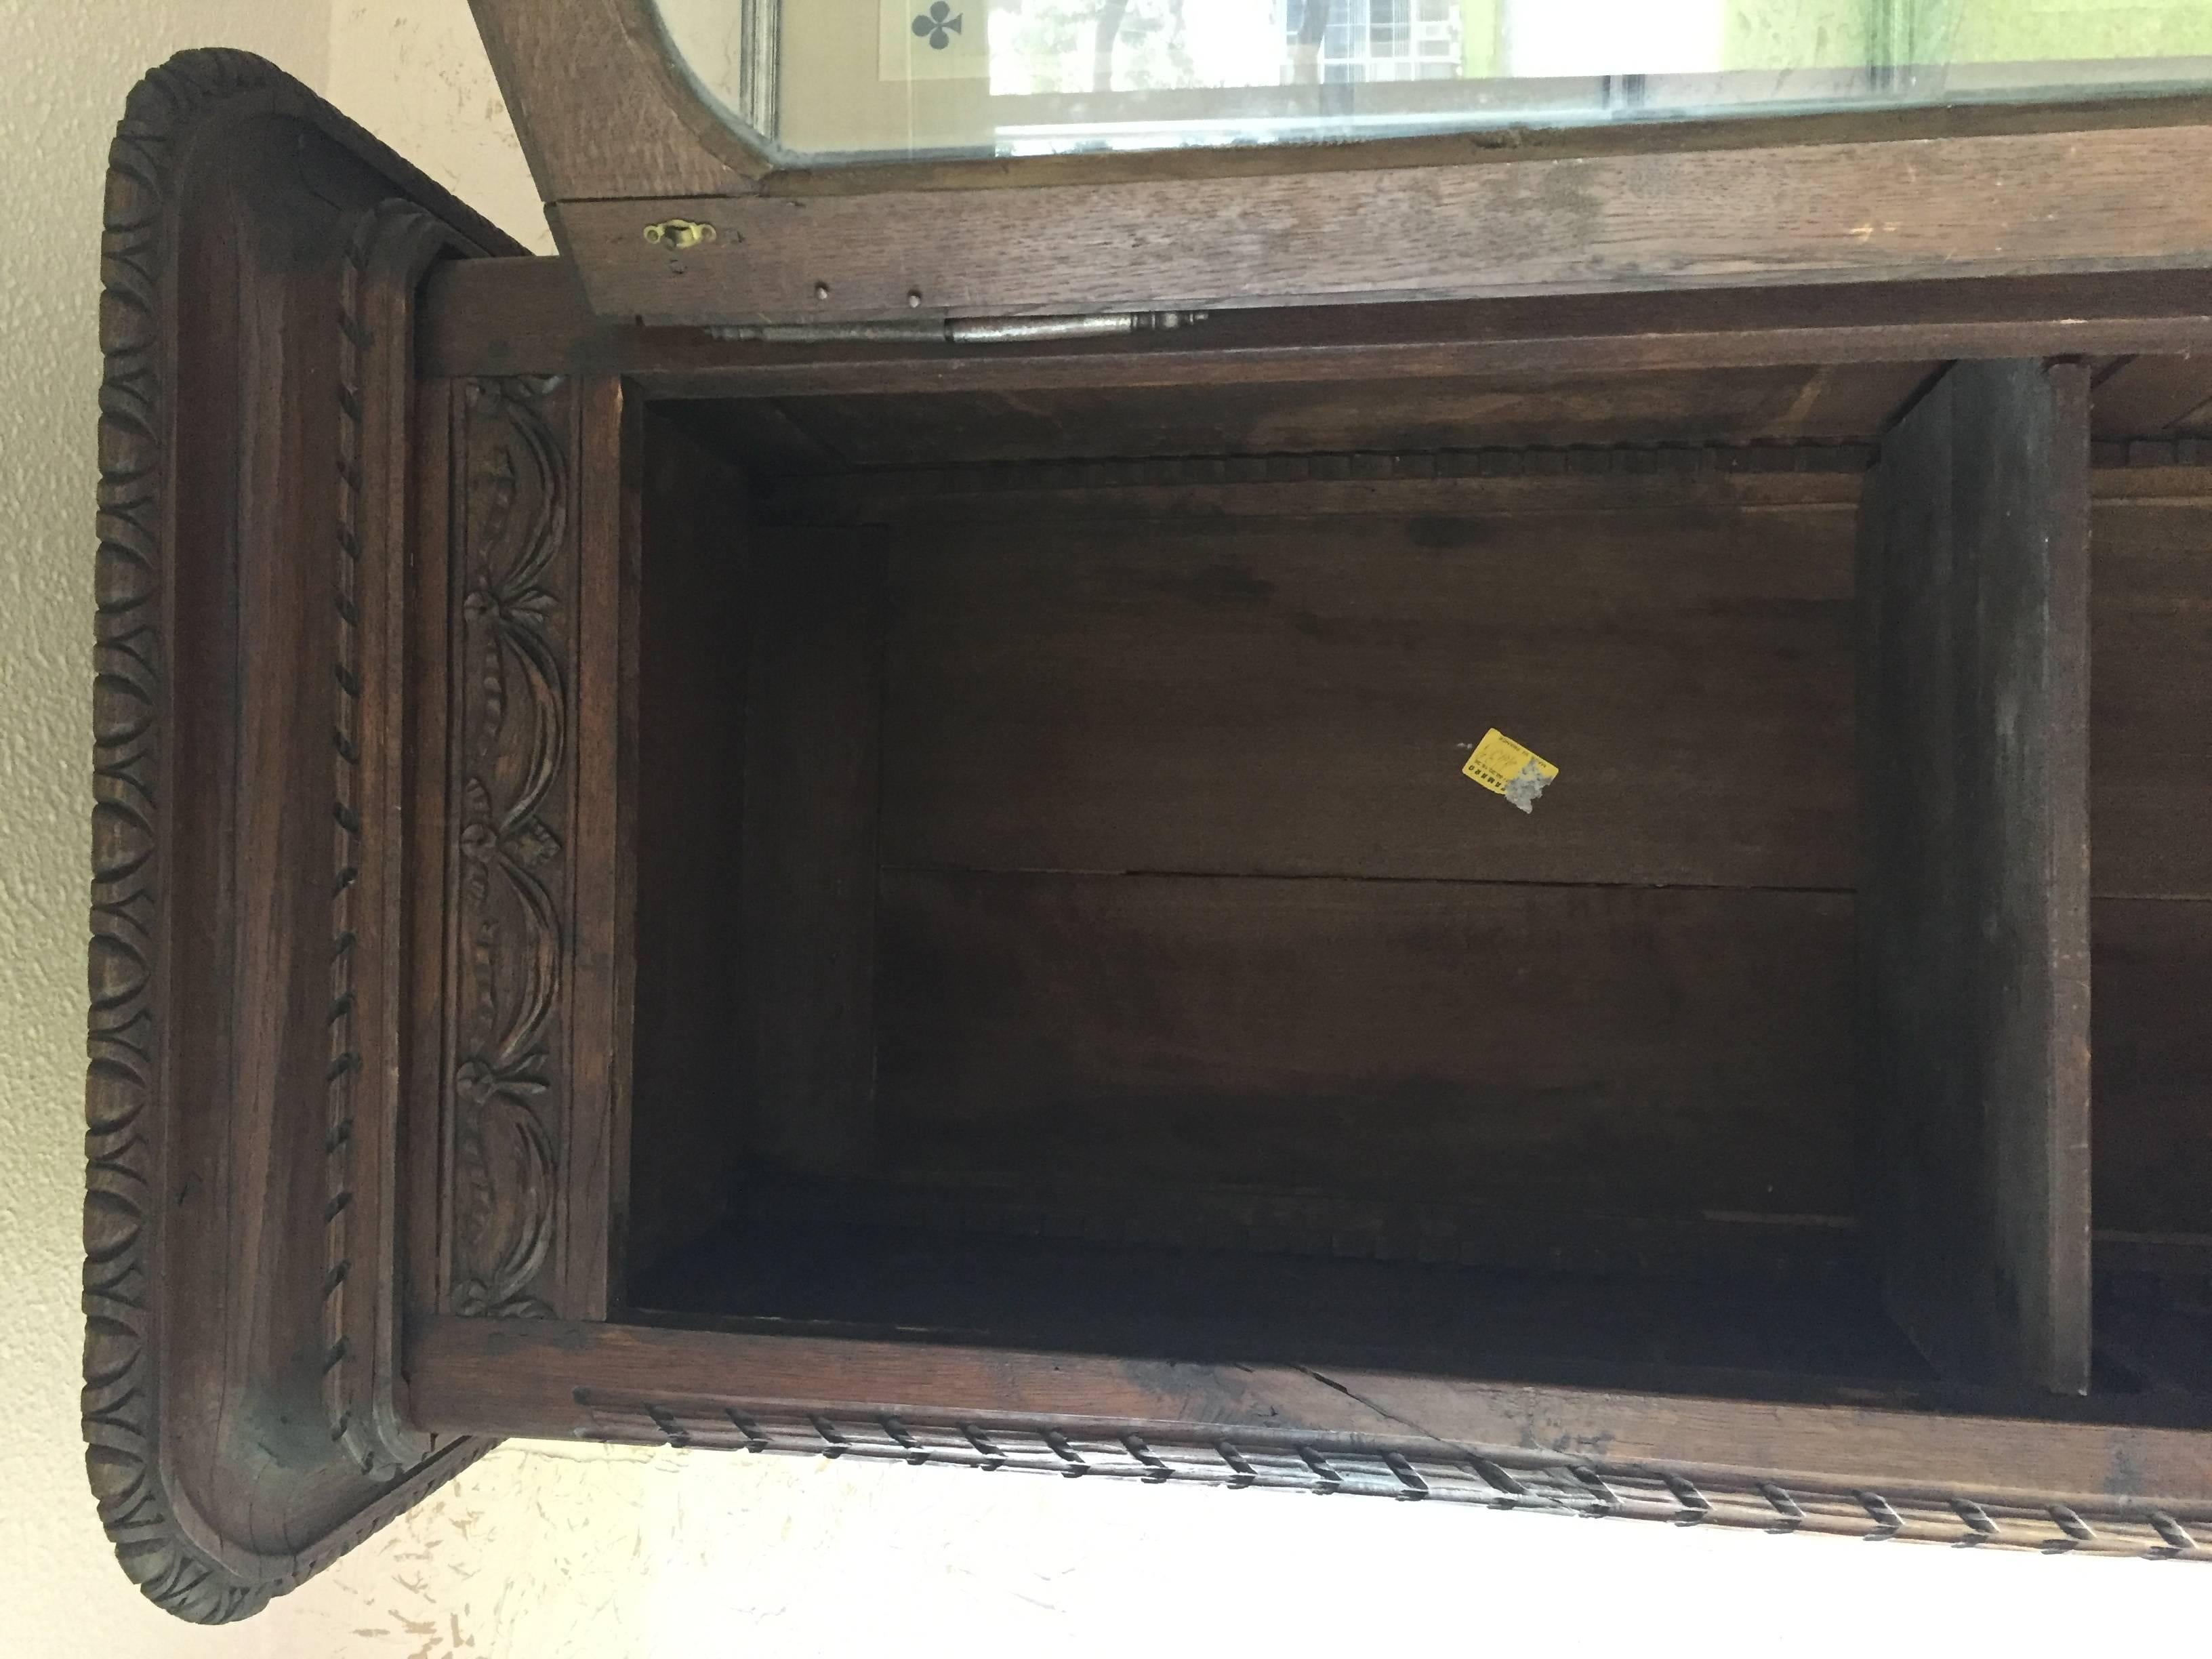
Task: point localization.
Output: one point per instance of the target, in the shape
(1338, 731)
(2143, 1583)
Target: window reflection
(859, 78)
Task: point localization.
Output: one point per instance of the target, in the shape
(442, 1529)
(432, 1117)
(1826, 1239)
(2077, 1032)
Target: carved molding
(515, 601)
(1423, 1470)
(392, 245)
(175, 1556)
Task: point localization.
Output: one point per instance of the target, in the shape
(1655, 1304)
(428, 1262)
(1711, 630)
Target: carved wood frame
(526, 619)
(222, 1358)
(497, 1331)
(620, 139)
(2006, 1483)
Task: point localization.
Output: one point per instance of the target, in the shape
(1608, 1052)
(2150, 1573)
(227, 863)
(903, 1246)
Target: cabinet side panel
(1973, 597)
(260, 260)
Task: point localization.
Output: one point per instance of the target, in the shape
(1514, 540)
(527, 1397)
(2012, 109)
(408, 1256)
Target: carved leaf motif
(504, 1206)
(506, 1089)
(535, 843)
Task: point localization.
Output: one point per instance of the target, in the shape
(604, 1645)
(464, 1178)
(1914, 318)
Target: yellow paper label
(1506, 768)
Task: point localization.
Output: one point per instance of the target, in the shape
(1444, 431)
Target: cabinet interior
(1061, 919)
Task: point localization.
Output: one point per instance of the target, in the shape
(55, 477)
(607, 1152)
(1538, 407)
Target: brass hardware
(678, 234)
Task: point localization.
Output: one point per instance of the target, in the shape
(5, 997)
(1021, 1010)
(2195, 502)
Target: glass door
(868, 80)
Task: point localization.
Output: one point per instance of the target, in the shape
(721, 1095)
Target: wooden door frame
(620, 137)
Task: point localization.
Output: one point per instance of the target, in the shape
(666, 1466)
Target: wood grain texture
(1490, 484)
(392, 246)
(512, 910)
(532, 316)
(1974, 884)
(1295, 696)
(601, 939)
(251, 477)
(1585, 1049)
(689, 1084)
(598, 106)
(2151, 969)
(1728, 1332)
(813, 733)
(1092, 1201)
(2150, 530)
(2144, 397)
(2055, 1486)
(2151, 709)
(536, 953)
(426, 1253)
(1549, 409)
(2019, 205)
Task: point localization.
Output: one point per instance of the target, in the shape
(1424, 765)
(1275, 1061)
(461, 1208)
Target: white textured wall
(414, 73)
(542, 1553)
(67, 69)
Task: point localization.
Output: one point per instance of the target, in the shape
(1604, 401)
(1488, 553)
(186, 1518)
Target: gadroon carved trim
(173, 1561)
(1412, 1472)
(508, 1081)
(122, 1145)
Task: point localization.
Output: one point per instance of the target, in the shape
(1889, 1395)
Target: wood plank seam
(1532, 460)
(844, 496)
(2151, 452)
(1579, 460)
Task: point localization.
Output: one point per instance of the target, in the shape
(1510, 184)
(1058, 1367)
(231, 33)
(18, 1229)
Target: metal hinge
(680, 235)
(963, 330)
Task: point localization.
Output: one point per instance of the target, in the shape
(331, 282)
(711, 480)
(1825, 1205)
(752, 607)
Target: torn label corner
(1508, 768)
(1526, 785)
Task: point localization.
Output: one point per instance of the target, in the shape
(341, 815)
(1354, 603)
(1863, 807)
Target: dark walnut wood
(918, 901)
(1973, 582)
(1776, 1468)
(692, 652)
(618, 140)
(517, 316)
(260, 259)
(1678, 217)
(516, 725)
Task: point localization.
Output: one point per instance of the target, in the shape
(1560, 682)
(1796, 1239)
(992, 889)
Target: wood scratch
(1383, 1412)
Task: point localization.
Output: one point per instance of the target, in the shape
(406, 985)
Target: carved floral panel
(514, 578)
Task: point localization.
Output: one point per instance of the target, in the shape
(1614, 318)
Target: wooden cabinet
(680, 858)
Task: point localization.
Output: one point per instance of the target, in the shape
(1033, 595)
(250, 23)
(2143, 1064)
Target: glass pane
(833, 80)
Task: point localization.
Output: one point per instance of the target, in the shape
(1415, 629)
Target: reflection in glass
(853, 79)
